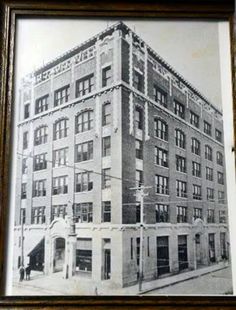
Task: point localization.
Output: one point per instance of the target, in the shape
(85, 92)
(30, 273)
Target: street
(218, 282)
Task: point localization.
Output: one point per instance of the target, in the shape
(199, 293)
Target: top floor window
(84, 86)
(60, 129)
(84, 121)
(138, 80)
(161, 129)
(179, 109)
(41, 104)
(106, 76)
(138, 118)
(207, 128)
(26, 110)
(61, 95)
(159, 96)
(180, 138)
(41, 135)
(194, 119)
(106, 114)
(218, 135)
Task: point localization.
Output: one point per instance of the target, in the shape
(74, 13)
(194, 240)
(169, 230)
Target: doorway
(59, 255)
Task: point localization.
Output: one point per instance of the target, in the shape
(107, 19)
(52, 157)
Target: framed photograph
(117, 154)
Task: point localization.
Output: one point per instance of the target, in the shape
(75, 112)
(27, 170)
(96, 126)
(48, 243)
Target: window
(181, 214)
(139, 178)
(197, 192)
(139, 149)
(60, 129)
(83, 181)
(84, 86)
(159, 96)
(218, 135)
(22, 215)
(26, 111)
(148, 246)
(106, 76)
(24, 166)
(161, 157)
(179, 109)
(197, 213)
(161, 129)
(106, 178)
(106, 146)
(181, 189)
(138, 213)
(138, 250)
(163, 261)
(60, 185)
(194, 119)
(209, 173)
(39, 188)
(106, 114)
(162, 213)
(40, 162)
(41, 104)
(179, 138)
(221, 197)
(41, 135)
(210, 216)
(162, 185)
(195, 146)
(222, 216)
(84, 151)
(131, 248)
(208, 152)
(106, 211)
(181, 164)
(196, 169)
(38, 215)
(84, 121)
(84, 212)
(207, 128)
(61, 95)
(60, 157)
(138, 118)
(219, 158)
(59, 211)
(220, 177)
(25, 140)
(23, 191)
(138, 81)
(210, 193)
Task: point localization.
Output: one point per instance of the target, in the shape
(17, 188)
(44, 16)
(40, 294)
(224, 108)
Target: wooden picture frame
(10, 11)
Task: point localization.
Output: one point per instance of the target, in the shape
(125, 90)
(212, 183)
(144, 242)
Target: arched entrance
(59, 254)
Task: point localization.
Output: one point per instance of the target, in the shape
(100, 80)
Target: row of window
(83, 213)
(83, 87)
(84, 121)
(162, 187)
(83, 182)
(83, 152)
(178, 110)
(163, 214)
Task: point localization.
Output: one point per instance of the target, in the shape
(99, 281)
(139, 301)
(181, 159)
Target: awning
(38, 248)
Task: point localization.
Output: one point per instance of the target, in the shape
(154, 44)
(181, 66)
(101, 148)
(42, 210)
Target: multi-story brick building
(101, 119)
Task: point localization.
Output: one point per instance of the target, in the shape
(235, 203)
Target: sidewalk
(55, 285)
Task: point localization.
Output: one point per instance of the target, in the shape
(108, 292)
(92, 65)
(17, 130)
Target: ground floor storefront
(112, 253)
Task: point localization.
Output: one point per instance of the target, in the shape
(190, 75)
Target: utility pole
(140, 194)
(22, 236)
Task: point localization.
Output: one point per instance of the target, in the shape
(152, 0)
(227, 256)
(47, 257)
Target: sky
(190, 47)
